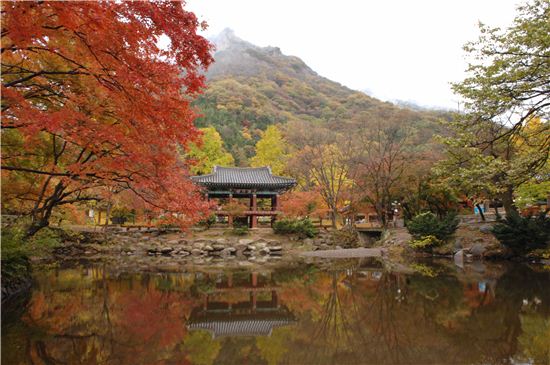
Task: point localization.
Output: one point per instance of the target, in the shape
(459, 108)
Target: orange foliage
(302, 203)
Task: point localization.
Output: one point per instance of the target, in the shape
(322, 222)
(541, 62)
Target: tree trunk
(40, 219)
(107, 214)
(333, 217)
(36, 226)
(508, 201)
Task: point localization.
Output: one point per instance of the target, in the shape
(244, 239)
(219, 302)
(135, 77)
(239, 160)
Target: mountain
(252, 87)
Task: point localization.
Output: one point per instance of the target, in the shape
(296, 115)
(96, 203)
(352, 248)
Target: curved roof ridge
(245, 178)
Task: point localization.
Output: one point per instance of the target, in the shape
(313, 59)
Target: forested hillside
(250, 88)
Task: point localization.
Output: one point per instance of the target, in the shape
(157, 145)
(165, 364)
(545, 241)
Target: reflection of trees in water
(108, 321)
(492, 332)
(388, 343)
(344, 316)
(360, 326)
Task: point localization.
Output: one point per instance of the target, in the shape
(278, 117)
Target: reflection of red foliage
(154, 319)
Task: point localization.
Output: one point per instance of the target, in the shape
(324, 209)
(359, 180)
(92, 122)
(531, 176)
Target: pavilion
(228, 183)
(224, 313)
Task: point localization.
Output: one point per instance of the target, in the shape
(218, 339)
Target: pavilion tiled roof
(256, 324)
(244, 178)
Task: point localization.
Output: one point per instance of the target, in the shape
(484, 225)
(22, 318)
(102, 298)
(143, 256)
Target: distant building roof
(244, 178)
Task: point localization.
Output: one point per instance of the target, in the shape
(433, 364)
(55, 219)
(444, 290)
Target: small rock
(308, 241)
(486, 228)
(275, 248)
(241, 248)
(166, 250)
(251, 247)
(324, 246)
(218, 247)
(227, 251)
(196, 252)
(245, 241)
(477, 250)
(173, 242)
(265, 251)
(458, 243)
(221, 241)
(260, 245)
(208, 248)
(198, 244)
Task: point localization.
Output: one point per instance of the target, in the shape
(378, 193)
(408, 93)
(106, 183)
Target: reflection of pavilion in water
(222, 316)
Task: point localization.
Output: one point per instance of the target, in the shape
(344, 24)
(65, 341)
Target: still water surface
(339, 312)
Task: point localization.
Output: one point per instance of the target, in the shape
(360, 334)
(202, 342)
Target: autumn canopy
(96, 98)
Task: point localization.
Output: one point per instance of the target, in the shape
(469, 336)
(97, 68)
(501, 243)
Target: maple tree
(97, 95)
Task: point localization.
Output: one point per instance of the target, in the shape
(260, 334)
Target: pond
(316, 312)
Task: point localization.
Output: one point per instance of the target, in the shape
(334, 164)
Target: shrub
(429, 231)
(523, 234)
(208, 221)
(301, 227)
(428, 224)
(240, 230)
(425, 243)
(16, 250)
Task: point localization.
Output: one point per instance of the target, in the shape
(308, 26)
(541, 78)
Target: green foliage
(532, 192)
(208, 222)
(16, 251)
(301, 227)
(429, 196)
(523, 234)
(500, 141)
(430, 231)
(240, 230)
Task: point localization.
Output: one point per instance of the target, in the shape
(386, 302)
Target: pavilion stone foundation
(228, 185)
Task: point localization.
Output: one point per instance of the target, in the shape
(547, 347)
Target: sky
(392, 49)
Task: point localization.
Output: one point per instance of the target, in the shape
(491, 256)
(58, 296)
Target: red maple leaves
(97, 103)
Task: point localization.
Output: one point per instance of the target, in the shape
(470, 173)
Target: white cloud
(407, 50)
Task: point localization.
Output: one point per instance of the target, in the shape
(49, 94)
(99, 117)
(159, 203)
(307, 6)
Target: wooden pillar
(254, 277)
(274, 207)
(253, 206)
(229, 217)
